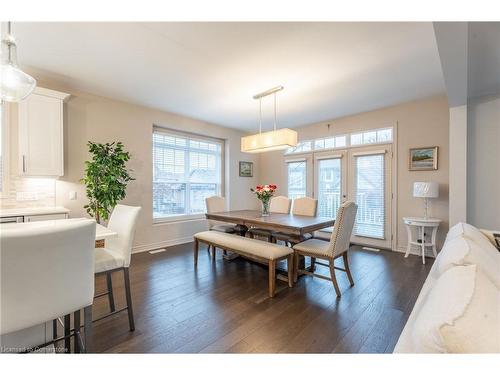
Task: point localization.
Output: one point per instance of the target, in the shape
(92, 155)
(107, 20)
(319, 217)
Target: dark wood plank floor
(223, 307)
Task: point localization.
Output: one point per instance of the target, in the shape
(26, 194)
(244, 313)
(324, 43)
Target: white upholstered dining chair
(116, 256)
(218, 204)
(47, 272)
(304, 206)
(338, 246)
(278, 205)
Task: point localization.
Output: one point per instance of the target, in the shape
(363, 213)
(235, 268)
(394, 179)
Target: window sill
(178, 219)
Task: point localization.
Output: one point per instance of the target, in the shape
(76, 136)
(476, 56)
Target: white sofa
(458, 308)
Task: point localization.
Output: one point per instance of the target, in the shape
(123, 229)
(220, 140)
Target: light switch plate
(72, 195)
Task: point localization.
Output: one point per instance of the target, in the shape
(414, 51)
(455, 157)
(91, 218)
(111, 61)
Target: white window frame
(189, 136)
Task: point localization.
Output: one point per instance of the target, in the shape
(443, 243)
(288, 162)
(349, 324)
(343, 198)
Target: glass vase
(265, 208)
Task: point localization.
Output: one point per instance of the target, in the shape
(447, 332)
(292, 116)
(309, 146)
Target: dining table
(294, 225)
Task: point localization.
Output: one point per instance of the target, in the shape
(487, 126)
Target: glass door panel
(329, 186)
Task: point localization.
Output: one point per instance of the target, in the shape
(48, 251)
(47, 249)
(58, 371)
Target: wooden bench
(259, 251)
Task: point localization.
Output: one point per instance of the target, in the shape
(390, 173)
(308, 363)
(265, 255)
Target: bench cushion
(244, 245)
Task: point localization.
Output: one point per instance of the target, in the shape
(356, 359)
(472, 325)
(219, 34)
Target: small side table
(421, 223)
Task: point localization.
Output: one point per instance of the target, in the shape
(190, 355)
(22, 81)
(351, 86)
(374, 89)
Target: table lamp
(425, 190)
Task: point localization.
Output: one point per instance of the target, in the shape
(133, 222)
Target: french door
(362, 175)
(370, 186)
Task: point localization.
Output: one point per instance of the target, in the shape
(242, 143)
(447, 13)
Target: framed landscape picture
(246, 169)
(423, 159)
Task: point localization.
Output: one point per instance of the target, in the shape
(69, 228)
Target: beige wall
(90, 117)
(420, 123)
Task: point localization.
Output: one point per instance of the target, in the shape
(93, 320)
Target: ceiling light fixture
(277, 139)
(15, 85)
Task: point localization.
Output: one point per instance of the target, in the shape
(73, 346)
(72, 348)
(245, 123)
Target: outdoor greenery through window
(186, 170)
(383, 135)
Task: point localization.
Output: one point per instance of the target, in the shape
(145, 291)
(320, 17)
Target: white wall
(458, 164)
(421, 123)
(483, 176)
(99, 119)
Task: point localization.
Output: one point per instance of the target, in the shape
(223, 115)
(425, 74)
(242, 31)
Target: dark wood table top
(292, 224)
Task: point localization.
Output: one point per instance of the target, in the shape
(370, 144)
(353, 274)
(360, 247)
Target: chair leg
(313, 264)
(76, 326)
(195, 248)
(291, 270)
(272, 278)
(87, 324)
(111, 298)
(296, 267)
(129, 299)
(208, 248)
(334, 279)
(347, 269)
(214, 250)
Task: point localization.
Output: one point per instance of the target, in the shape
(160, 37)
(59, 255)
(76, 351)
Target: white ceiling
(210, 71)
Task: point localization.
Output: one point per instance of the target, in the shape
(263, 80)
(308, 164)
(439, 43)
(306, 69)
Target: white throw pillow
(461, 251)
(459, 315)
(478, 329)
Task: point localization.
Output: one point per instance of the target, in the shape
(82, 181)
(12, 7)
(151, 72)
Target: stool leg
(76, 337)
(87, 321)
(129, 299)
(67, 332)
(111, 298)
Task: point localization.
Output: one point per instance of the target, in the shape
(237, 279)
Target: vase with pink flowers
(264, 193)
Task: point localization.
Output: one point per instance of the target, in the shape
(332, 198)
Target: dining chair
(338, 246)
(278, 205)
(115, 256)
(218, 204)
(47, 273)
(304, 206)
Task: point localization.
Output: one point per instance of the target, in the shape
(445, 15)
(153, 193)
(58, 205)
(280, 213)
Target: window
(301, 147)
(297, 179)
(329, 186)
(186, 170)
(369, 185)
(383, 135)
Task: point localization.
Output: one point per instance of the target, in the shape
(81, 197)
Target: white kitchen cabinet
(41, 140)
(31, 218)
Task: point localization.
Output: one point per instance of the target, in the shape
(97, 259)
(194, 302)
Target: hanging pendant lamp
(15, 85)
(277, 139)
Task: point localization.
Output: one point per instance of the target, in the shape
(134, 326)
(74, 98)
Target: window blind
(329, 187)
(370, 197)
(297, 178)
(186, 170)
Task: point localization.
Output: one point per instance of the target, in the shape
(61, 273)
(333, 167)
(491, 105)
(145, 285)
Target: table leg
(422, 243)
(242, 229)
(408, 247)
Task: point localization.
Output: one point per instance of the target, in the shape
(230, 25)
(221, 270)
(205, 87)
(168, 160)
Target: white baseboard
(159, 245)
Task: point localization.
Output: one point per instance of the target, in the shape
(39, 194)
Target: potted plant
(106, 178)
(264, 193)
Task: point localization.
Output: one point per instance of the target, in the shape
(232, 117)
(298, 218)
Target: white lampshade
(269, 141)
(425, 189)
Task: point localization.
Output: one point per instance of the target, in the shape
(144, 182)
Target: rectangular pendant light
(279, 139)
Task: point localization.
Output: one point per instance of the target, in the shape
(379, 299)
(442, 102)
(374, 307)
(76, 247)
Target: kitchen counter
(33, 211)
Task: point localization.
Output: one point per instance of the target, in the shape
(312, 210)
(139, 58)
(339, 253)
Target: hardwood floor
(223, 307)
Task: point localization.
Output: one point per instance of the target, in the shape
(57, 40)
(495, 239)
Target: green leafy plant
(106, 178)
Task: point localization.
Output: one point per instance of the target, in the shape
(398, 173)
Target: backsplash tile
(26, 192)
